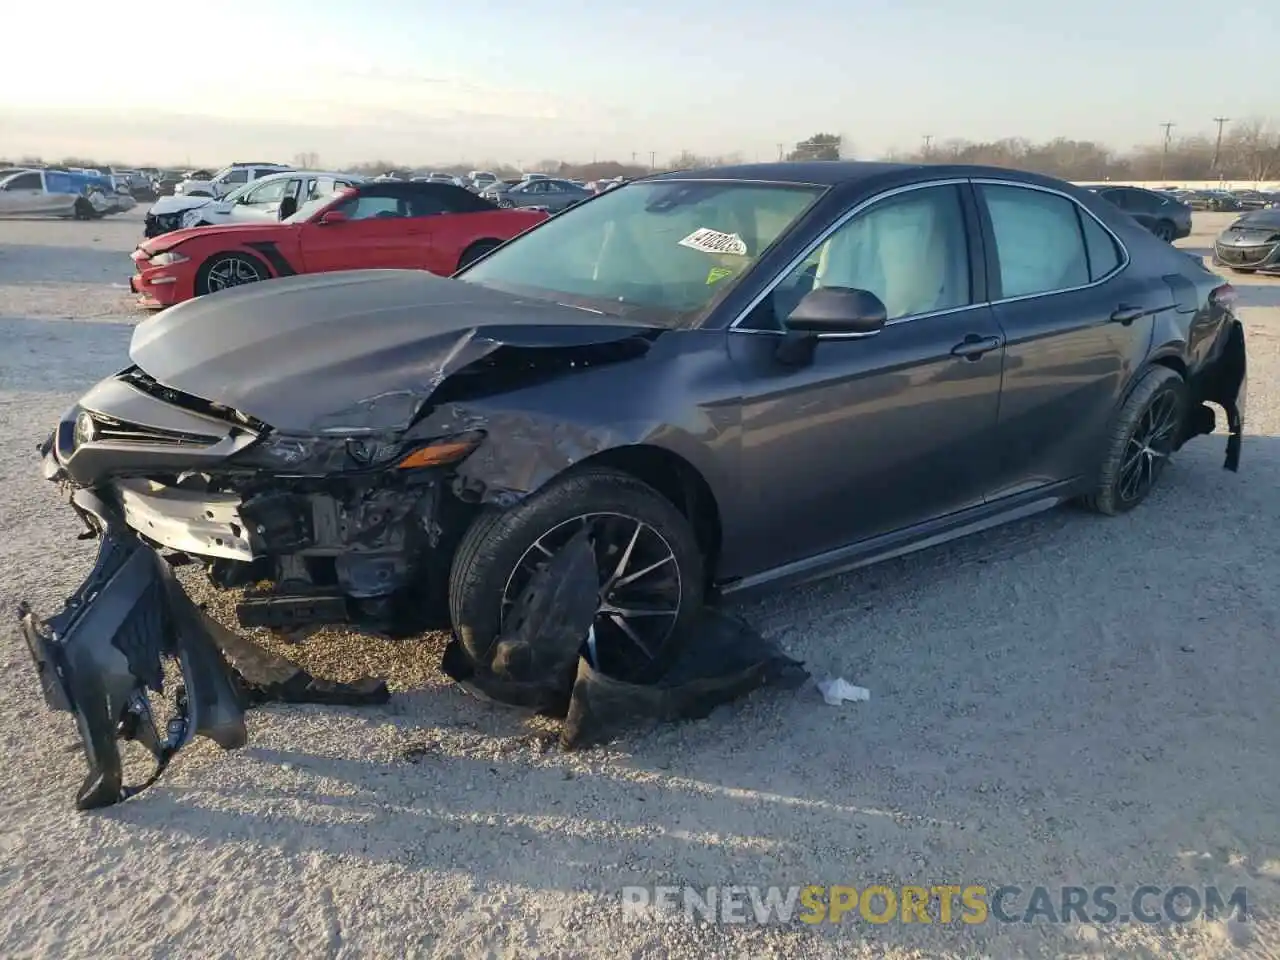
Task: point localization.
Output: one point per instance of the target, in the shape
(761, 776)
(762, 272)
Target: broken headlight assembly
(169, 258)
(319, 456)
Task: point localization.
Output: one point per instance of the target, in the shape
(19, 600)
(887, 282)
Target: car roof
(845, 173)
(290, 174)
(818, 172)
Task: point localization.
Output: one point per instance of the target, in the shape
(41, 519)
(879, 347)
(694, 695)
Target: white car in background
(227, 179)
(264, 199)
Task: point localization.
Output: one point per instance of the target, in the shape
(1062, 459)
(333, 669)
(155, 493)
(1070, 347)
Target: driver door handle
(973, 346)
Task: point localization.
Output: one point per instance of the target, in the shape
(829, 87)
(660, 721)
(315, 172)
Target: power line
(1217, 145)
(1164, 155)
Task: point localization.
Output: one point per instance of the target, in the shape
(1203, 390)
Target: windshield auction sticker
(713, 241)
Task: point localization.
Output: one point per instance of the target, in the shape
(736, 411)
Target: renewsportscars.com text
(943, 903)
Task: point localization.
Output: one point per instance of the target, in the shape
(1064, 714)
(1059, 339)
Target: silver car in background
(545, 193)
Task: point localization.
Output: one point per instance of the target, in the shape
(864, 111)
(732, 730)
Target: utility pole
(928, 139)
(1164, 155)
(653, 164)
(633, 158)
(781, 148)
(1217, 144)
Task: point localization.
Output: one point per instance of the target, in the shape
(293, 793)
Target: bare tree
(309, 160)
(1253, 150)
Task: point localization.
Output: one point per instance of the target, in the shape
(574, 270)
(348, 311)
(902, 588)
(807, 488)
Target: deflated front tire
(649, 569)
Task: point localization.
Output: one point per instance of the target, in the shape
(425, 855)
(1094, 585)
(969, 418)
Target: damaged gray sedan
(717, 380)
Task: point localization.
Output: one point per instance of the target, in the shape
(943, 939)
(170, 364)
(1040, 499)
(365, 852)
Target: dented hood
(311, 353)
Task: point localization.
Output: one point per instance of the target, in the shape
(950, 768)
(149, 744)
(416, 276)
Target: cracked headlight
(167, 259)
(320, 456)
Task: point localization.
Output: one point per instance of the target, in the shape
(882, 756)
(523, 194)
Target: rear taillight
(1224, 297)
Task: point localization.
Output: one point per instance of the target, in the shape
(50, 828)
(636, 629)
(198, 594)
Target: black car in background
(1251, 244)
(1166, 217)
(1212, 200)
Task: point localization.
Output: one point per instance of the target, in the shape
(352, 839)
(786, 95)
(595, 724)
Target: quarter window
(910, 250)
(240, 175)
(1038, 241)
(1104, 257)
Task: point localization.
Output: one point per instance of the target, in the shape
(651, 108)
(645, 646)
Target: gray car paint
(412, 329)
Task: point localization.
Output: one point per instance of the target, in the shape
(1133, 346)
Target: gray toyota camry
(729, 379)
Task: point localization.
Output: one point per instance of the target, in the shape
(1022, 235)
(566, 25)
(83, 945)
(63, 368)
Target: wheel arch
(490, 243)
(677, 479)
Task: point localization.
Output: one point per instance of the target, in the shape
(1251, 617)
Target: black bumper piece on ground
(100, 655)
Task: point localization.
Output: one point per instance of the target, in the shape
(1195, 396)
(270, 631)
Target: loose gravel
(1066, 700)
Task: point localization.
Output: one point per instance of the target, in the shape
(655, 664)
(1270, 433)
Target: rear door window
(1039, 243)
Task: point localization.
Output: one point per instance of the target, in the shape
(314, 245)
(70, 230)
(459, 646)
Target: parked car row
(1227, 200)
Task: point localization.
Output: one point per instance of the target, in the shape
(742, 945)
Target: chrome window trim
(735, 327)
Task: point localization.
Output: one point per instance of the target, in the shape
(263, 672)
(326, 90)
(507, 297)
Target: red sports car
(428, 226)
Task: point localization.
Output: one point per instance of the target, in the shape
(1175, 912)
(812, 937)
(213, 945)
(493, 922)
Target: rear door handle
(973, 346)
(1126, 314)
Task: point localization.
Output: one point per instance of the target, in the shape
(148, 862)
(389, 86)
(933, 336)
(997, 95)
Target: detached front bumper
(98, 657)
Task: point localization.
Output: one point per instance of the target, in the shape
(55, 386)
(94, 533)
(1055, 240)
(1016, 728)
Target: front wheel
(225, 270)
(1143, 436)
(649, 566)
(1164, 230)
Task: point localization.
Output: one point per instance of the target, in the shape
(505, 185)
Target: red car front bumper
(160, 287)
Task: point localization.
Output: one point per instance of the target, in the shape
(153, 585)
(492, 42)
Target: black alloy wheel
(641, 588)
(1144, 434)
(649, 569)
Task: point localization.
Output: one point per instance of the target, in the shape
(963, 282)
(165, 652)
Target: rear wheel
(223, 271)
(1143, 435)
(476, 251)
(84, 209)
(649, 566)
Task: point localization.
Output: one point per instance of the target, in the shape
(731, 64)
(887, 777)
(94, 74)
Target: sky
(423, 82)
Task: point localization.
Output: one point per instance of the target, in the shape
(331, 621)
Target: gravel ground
(1067, 700)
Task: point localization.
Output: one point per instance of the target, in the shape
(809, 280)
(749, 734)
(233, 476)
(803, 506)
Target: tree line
(1247, 150)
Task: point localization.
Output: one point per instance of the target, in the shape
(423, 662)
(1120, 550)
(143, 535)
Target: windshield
(667, 249)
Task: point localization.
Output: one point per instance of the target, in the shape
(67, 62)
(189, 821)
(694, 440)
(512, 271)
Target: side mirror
(846, 310)
(333, 216)
(828, 310)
